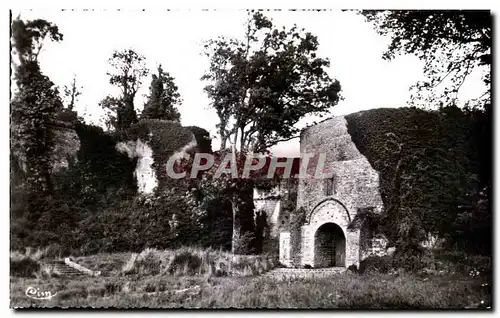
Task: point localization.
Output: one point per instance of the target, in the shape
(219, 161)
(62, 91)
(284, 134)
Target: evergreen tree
(163, 96)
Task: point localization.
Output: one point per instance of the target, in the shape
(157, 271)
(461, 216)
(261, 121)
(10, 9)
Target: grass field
(347, 291)
(193, 278)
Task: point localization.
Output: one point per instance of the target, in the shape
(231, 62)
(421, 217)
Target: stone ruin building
(328, 235)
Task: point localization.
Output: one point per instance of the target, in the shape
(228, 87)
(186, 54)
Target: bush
(352, 269)
(54, 250)
(23, 267)
(409, 263)
(378, 264)
(148, 262)
(47, 271)
(460, 262)
(186, 263)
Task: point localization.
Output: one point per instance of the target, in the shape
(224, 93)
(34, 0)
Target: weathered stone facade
(328, 237)
(270, 203)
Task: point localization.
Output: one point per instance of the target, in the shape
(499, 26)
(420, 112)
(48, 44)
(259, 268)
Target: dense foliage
(128, 69)
(435, 166)
(34, 105)
(447, 172)
(162, 99)
(430, 175)
(165, 138)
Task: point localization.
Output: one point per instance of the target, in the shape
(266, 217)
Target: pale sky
(175, 39)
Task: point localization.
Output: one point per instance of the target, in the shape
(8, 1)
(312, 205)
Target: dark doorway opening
(329, 246)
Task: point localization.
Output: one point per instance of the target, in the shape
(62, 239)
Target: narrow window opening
(329, 187)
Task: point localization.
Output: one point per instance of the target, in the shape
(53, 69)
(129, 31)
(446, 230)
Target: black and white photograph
(336, 159)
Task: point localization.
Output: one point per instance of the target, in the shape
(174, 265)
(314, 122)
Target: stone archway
(329, 246)
(329, 211)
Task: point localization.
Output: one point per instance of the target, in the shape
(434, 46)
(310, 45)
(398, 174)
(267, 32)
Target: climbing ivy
(165, 138)
(426, 168)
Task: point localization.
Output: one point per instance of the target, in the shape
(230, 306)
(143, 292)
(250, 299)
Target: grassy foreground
(345, 291)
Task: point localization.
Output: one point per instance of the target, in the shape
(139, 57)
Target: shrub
(54, 250)
(410, 263)
(186, 263)
(148, 262)
(379, 264)
(189, 261)
(203, 140)
(47, 271)
(23, 266)
(352, 269)
(129, 266)
(460, 262)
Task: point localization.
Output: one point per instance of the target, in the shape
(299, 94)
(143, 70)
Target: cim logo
(35, 293)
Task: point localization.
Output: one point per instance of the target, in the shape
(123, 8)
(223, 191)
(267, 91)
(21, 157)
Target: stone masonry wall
(355, 186)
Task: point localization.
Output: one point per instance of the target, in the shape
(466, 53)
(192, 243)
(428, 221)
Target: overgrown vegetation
(193, 261)
(430, 175)
(435, 166)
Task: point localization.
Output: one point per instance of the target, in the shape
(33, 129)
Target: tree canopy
(452, 44)
(163, 98)
(262, 85)
(128, 70)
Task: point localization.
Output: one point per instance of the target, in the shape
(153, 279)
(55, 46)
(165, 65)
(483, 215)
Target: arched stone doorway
(329, 246)
(346, 245)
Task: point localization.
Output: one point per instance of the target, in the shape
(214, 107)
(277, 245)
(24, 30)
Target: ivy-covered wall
(425, 164)
(153, 142)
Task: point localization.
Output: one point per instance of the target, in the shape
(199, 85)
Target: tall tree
(35, 104)
(452, 44)
(128, 70)
(163, 98)
(261, 87)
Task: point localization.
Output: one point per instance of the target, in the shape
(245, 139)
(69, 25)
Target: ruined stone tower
(328, 237)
